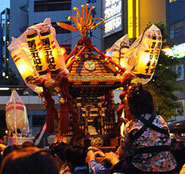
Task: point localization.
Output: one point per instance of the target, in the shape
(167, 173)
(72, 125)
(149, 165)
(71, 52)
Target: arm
(94, 166)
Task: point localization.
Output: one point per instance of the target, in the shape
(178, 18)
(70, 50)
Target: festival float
(85, 79)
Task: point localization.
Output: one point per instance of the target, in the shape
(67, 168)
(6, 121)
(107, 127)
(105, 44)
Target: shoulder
(160, 121)
(132, 126)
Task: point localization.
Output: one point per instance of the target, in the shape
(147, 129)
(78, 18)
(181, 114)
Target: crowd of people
(145, 148)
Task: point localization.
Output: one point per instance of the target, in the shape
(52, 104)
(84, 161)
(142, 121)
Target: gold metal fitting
(45, 103)
(61, 100)
(107, 60)
(77, 58)
(41, 95)
(57, 89)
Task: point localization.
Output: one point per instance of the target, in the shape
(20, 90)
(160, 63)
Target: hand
(112, 157)
(92, 153)
(99, 154)
(50, 84)
(90, 156)
(94, 149)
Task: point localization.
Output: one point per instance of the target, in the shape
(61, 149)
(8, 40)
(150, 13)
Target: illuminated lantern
(15, 113)
(119, 49)
(52, 54)
(123, 51)
(142, 56)
(24, 67)
(63, 50)
(37, 51)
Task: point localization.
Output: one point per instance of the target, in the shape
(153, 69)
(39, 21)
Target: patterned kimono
(154, 160)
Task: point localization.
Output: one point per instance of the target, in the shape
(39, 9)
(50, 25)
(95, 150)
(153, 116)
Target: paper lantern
(49, 45)
(119, 49)
(24, 63)
(148, 58)
(142, 56)
(24, 67)
(62, 50)
(15, 113)
(37, 51)
(123, 51)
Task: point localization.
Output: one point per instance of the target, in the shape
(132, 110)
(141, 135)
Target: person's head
(59, 149)
(27, 144)
(28, 161)
(75, 156)
(140, 101)
(9, 149)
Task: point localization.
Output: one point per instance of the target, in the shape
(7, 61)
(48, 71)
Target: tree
(163, 84)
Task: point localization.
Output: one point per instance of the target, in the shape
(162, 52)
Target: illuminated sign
(112, 16)
(177, 51)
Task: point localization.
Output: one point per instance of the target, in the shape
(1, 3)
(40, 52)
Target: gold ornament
(61, 100)
(83, 23)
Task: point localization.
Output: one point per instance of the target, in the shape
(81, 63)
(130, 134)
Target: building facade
(4, 36)
(175, 19)
(133, 16)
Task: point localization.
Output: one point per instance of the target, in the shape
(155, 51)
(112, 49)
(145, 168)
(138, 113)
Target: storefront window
(177, 29)
(55, 5)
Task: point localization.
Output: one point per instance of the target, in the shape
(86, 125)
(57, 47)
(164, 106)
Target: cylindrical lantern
(147, 59)
(143, 55)
(37, 51)
(51, 50)
(24, 67)
(122, 52)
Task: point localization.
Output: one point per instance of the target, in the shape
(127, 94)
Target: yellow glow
(53, 63)
(142, 64)
(176, 51)
(167, 49)
(41, 65)
(4, 89)
(63, 50)
(42, 55)
(137, 18)
(122, 63)
(24, 66)
(144, 57)
(130, 18)
(54, 53)
(24, 69)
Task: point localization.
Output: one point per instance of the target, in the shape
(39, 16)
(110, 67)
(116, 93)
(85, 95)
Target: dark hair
(76, 155)
(9, 149)
(59, 149)
(140, 101)
(28, 161)
(27, 144)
